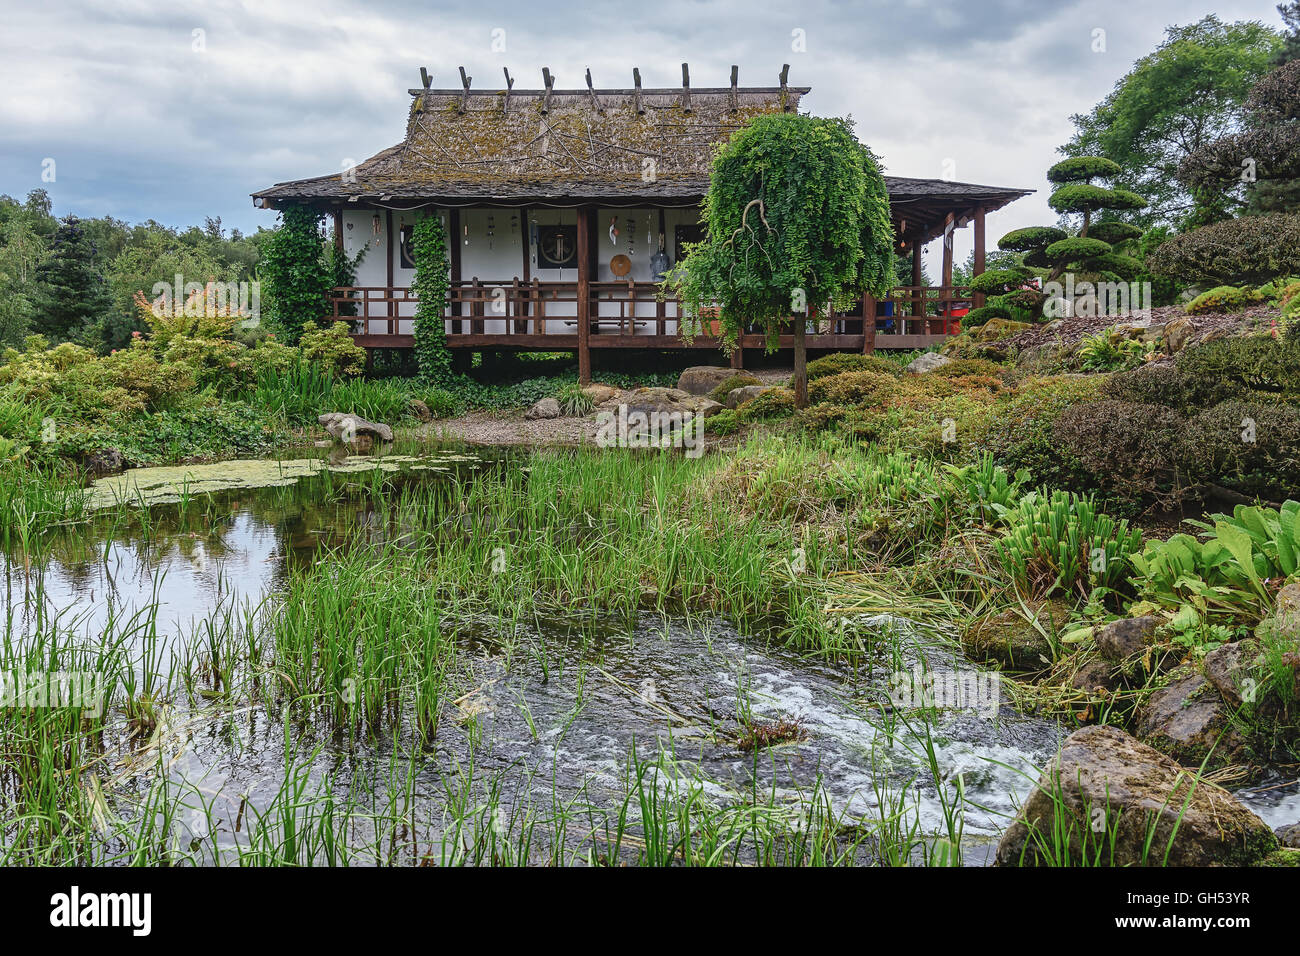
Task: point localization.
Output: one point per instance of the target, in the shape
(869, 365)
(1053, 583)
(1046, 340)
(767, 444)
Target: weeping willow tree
(797, 219)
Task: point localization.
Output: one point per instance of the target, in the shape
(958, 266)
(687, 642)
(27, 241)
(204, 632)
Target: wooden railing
(521, 313)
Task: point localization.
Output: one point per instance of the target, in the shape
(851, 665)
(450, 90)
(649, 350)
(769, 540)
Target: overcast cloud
(144, 121)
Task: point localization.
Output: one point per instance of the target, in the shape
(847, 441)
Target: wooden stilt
(586, 218)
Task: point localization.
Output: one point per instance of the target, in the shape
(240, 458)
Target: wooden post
(453, 226)
(979, 252)
(918, 297)
(392, 307)
(525, 307)
(868, 324)
(945, 295)
(586, 222)
(338, 230)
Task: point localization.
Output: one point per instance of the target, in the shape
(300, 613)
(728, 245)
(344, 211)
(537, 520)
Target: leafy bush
(774, 403)
(857, 388)
(978, 317)
(1257, 367)
(1062, 543)
(1225, 298)
(1253, 250)
(1031, 237)
(1020, 435)
(332, 347)
(1246, 446)
(838, 362)
(1126, 450)
(1105, 352)
(1075, 248)
(740, 380)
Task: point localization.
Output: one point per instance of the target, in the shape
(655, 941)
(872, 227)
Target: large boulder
(995, 329)
(1189, 721)
(928, 362)
(1107, 790)
(354, 430)
(1123, 639)
(1289, 835)
(739, 396)
(543, 408)
(702, 379)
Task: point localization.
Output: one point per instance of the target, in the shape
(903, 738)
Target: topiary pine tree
(1097, 252)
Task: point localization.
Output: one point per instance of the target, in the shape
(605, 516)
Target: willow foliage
(797, 216)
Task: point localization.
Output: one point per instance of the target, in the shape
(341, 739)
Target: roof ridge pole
(464, 96)
(510, 85)
(550, 82)
(595, 100)
(636, 94)
(426, 81)
(785, 93)
(686, 87)
(735, 79)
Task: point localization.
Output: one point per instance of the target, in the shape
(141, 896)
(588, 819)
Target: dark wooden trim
(453, 226)
(392, 252)
(338, 230)
(586, 253)
(568, 342)
(979, 252)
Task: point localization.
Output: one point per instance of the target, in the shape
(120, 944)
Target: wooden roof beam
(686, 87)
(465, 82)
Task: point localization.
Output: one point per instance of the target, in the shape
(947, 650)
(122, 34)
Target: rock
(543, 408)
(1189, 721)
(353, 429)
(1120, 640)
(928, 362)
(1094, 677)
(1103, 777)
(1011, 641)
(702, 379)
(1045, 357)
(600, 393)
(1227, 668)
(1289, 835)
(995, 329)
(708, 408)
(420, 410)
(654, 399)
(1177, 334)
(103, 461)
(739, 396)
(1283, 625)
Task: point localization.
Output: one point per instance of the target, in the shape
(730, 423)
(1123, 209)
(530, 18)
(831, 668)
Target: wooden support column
(338, 230)
(453, 227)
(948, 227)
(586, 233)
(918, 297)
(868, 324)
(523, 306)
(979, 252)
(392, 306)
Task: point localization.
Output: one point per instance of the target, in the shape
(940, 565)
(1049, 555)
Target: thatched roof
(614, 146)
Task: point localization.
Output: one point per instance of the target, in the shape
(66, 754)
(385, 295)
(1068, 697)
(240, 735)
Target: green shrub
(1114, 232)
(1256, 367)
(977, 317)
(724, 422)
(838, 362)
(1075, 248)
(1150, 384)
(1225, 298)
(332, 347)
(440, 402)
(1249, 447)
(1127, 451)
(1019, 434)
(1252, 250)
(1082, 168)
(772, 404)
(997, 281)
(740, 380)
(856, 388)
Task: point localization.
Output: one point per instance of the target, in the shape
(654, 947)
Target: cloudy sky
(178, 109)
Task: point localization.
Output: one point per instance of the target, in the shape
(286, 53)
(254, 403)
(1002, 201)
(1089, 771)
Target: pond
(565, 738)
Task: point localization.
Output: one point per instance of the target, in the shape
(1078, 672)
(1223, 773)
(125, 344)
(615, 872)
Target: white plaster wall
(492, 243)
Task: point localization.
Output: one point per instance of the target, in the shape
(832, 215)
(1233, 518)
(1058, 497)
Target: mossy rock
(1011, 640)
(997, 328)
(724, 388)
